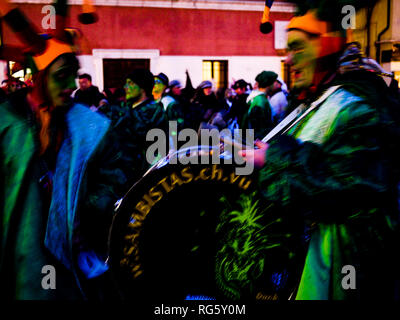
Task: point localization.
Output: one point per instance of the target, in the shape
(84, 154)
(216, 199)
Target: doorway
(116, 70)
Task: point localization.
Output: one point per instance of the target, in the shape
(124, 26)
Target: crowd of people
(238, 106)
(66, 158)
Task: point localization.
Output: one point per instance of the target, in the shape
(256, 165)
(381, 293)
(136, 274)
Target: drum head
(173, 233)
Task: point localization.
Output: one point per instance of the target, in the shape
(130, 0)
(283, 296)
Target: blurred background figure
(12, 85)
(162, 94)
(259, 115)
(183, 104)
(88, 94)
(161, 82)
(205, 104)
(277, 94)
(241, 90)
(175, 89)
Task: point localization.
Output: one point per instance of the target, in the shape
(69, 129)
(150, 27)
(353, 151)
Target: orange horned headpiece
(43, 49)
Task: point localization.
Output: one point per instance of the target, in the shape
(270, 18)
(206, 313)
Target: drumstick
(233, 143)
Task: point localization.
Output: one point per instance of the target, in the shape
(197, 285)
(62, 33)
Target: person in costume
(162, 94)
(60, 177)
(139, 115)
(336, 169)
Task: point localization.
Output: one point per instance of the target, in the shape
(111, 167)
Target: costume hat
(43, 49)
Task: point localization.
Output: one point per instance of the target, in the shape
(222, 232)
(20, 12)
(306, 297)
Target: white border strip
(182, 4)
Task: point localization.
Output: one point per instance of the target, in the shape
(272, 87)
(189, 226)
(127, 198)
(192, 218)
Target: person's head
(206, 87)
(85, 81)
(240, 87)
(13, 85)
(61, 79)
(316, 39)
(175, 88)
(275, 87)
(265, 79)
(53, 86)
(302, 54)
(139, 85)
(160, 84)
(229, 94)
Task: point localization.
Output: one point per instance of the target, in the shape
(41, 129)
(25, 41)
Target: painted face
(84, 84)
(302, 51)
(132, 90)
(61, 82)
(159, 86)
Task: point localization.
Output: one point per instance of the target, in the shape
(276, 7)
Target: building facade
(215, 40)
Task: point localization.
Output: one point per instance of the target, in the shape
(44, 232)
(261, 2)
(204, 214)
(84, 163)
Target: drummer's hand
(257, 156)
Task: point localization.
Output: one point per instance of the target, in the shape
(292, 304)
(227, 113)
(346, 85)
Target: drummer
(337, 167)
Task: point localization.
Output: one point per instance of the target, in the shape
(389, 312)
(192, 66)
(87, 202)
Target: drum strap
(298, 114)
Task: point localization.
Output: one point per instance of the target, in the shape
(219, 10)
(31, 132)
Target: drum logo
(131, 259)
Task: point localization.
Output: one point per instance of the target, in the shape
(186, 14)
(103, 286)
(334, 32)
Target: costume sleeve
(106, 182)
(345, 176)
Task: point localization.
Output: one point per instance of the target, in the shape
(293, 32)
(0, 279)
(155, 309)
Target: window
(216, 70)
(397, 76)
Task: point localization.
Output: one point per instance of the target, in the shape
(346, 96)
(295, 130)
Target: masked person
(162, 93)
(60, 177)
(141, 114)
(335, 169)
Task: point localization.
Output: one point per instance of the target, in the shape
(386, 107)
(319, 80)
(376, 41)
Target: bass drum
(200, 231)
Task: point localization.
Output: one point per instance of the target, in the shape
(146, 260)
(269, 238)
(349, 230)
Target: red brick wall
(172, 31)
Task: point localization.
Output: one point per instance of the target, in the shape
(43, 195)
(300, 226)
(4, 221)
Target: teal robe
(83, 190)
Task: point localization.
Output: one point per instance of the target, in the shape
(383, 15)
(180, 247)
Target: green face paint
(302, 52)
(159, 86)
(132, 90)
